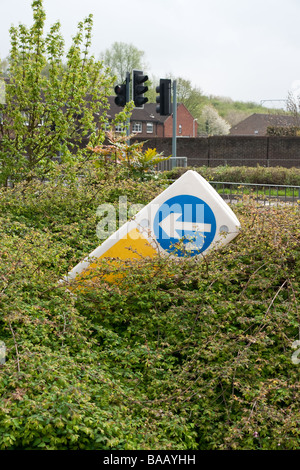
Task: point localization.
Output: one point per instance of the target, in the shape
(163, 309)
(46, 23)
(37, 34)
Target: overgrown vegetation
(191, 355)
(168, 355)
(56, 116)
(138, 163)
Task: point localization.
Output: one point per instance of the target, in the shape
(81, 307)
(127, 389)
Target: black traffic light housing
(120, 91)
(138, 89)
(163, 100)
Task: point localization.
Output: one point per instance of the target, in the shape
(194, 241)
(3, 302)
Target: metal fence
(268, 194)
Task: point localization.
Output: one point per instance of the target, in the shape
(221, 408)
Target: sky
(246, 50)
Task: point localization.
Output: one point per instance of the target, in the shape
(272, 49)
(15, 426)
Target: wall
(158, 129)
(233, 150)
(185, 120)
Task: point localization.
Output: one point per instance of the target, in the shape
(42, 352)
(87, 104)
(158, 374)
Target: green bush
(242, 174)
(189, 355)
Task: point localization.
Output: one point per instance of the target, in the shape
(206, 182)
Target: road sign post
(127, 101)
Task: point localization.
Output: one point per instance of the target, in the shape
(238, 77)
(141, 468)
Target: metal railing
(265, 193)
(171, 163)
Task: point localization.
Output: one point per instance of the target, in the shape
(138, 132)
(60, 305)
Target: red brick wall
(157, 130)
(233, 150)
(160, 130)
(185, 121)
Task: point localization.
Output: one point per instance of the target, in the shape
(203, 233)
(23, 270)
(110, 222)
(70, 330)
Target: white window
(25, 116)
(137, 127)
(26, 119)
(180, 129)
(119, 127)
(149, 127)
(1, 117)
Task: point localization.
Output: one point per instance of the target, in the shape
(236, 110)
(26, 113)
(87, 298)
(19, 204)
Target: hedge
(242, 174)
(190, 355)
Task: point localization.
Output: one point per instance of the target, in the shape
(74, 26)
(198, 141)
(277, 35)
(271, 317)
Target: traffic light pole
(174, 122)
(127, 101)
(138, 89)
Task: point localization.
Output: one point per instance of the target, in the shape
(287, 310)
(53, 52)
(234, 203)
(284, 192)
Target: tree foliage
(53, 114)
(139, 163)
(121, 58)
(191, 96)
(212, 123)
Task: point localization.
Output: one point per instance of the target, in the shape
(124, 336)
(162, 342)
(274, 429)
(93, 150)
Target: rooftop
(257, 124)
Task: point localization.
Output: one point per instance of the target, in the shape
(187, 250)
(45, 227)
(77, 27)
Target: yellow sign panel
(132, 246)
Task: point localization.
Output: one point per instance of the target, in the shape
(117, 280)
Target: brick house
(257, 124)
(146, 122)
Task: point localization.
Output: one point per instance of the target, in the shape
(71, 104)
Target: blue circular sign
(184, 225)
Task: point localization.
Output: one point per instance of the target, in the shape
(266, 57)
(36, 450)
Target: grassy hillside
(236, 111)
(193, 98)
(196, 355)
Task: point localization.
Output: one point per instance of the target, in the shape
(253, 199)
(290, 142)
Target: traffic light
(138, 89)
(164, 99)
(120, 91)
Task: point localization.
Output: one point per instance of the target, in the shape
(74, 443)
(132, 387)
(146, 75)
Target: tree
(212, 123)
(121, 58)
(293, 106)
(187, 94)
(190, 96)
(58, 113)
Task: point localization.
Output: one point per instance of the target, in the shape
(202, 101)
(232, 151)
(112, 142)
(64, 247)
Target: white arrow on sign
(171, 225)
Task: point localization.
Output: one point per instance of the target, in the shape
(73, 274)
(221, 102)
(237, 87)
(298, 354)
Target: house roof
(257, 124)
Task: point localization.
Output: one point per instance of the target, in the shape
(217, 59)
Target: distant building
(146, 122)
(257, 124)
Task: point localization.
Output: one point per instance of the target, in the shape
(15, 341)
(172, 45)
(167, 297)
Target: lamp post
(174, 149)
